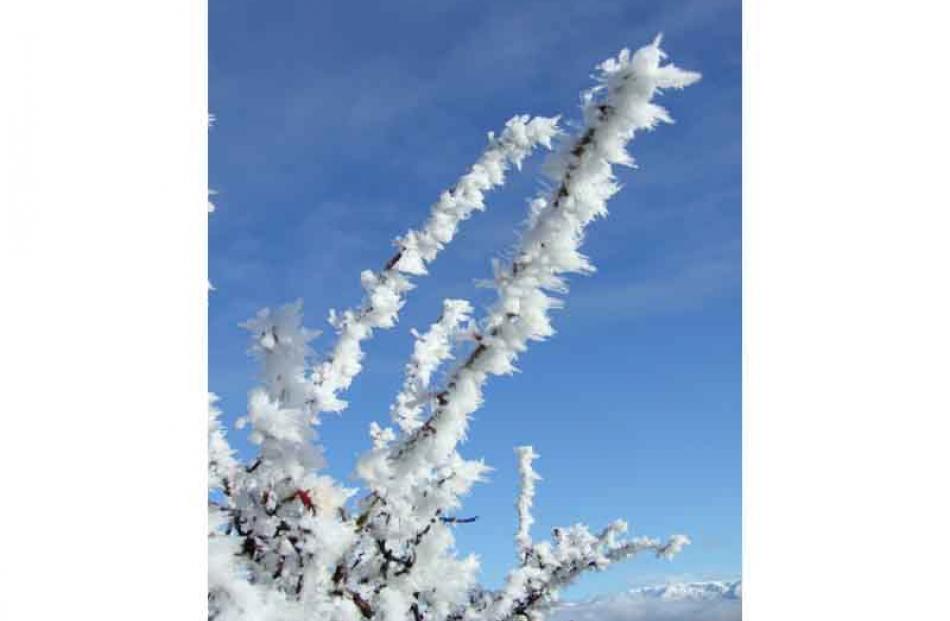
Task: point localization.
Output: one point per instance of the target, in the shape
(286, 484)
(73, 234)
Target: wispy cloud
(501, 48)
(683, 286)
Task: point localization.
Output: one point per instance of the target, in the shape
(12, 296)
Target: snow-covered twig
(431, 349)
(385, 290)
(534, 585)
(221, 461)
(614, 111)
(528, 476)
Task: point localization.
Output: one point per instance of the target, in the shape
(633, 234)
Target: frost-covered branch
(221, 461)
(284, 541)
(385, 290)
(526, 456)
(619, 106)
(430, 351)
(278, 413)
(423, 474)
(547, 567)
(280, 494)
(280, 491)
(533, 586)
(285, 520)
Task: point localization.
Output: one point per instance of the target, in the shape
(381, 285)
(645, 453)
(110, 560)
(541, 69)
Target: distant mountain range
(688, 601)
(711, 590)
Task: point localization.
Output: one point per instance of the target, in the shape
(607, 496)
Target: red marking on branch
(304, 497)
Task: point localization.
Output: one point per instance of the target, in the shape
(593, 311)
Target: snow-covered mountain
(688, 601)
(711, 590)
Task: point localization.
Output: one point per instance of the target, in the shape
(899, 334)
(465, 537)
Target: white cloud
(688, 286)
(695, 601)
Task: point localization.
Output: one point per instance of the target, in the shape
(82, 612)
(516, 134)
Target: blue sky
(338, 124)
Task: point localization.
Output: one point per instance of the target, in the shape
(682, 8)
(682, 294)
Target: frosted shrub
(287, 542)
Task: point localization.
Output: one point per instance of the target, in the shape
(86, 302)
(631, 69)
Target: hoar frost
(287, 542)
